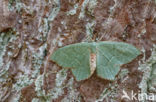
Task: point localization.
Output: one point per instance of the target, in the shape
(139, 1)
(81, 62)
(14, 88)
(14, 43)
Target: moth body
(92, 63)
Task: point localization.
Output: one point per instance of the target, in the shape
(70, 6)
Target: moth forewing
(92, 63)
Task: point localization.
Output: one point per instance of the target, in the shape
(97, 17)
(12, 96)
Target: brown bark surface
(31, 30)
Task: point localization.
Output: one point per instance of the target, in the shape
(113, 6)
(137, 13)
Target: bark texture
(30, 30)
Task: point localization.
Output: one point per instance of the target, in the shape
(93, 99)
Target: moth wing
(111, 55)
(75, 57)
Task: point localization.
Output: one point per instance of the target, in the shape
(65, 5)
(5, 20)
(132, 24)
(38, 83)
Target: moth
(105, 57)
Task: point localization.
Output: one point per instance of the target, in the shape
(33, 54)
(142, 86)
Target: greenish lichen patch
(90, 4)
(54, 93)
(43, 30)
(5, 39)
(90, 29)
(35, 100)
(17, 97)
(4, 73)
(109, 93)
(73, 94)
(11, 2)
(73, 11)
(82, 13)
(18, 5)
(55, 10)
(41, 94)
(38, 85)
(152, 80)
(37, 61)
(45, 27)
(148, 67)
(22, 82)
(58, 90)
(15, 4)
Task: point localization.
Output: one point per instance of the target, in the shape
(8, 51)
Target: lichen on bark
(31, 30)
(148, 67)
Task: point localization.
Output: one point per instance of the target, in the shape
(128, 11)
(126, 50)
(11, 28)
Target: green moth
(105, 57)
